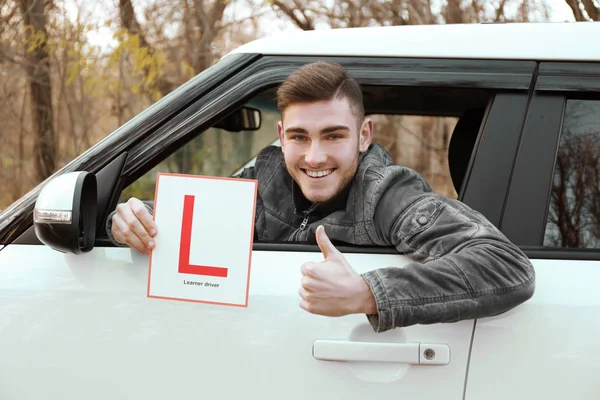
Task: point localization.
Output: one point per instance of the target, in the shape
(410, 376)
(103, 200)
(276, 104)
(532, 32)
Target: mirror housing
(243, 119)
(64, 216)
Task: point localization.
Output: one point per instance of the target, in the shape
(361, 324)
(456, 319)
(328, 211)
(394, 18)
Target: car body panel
(548, 347)
(516, 41)
(82, 326)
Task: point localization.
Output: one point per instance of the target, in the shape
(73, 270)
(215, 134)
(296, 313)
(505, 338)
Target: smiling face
(321, 142)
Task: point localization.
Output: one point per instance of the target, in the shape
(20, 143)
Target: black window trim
(555, 253)
(569, 77)
(528, 203)
(488, 176)
(526, 206)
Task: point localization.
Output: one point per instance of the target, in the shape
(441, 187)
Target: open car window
(431, 130)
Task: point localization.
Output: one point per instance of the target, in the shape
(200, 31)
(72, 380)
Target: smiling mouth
(319, 174)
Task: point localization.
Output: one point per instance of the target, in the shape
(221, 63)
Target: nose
(315, 154)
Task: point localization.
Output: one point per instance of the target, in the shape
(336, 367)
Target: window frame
(528, 200)
(512, 80)
(272, 70)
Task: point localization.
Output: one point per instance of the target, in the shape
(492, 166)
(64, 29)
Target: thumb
(327, 248)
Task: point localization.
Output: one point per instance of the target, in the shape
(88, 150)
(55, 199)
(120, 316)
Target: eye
(335, 136)
(298, 138)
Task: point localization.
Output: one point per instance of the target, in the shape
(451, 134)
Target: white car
(520, 105)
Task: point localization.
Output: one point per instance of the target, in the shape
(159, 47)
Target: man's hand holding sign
(133, 225)
(332, 287)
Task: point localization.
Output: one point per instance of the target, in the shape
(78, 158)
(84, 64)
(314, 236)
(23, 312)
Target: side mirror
(243, 119)
(64, 216)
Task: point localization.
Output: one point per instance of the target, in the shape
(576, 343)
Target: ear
(280, 132)
(365, 135)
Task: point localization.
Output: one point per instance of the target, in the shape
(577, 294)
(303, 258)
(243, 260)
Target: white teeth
(318, 174)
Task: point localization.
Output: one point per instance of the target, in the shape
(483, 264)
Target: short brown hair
(321, 81)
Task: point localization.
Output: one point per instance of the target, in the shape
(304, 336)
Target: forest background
(72, 71)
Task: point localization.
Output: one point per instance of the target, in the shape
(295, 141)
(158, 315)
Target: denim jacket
(464, 267)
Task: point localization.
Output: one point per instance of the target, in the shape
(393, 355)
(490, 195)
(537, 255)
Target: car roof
(559, 41)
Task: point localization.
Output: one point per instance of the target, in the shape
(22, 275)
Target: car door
(82, 326)
(548, 348)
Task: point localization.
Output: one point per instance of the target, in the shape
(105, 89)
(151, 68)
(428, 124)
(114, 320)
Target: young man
(328, 181)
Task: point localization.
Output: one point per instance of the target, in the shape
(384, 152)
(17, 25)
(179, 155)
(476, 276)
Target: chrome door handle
(403, 353)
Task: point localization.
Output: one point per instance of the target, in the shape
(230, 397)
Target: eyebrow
(324, 131)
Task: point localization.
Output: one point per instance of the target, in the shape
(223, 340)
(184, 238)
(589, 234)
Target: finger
(143, 215)
(305, 305)
(311, 269)
(308, 284)
(327, 248)
(137, 229)
(117, 229)
(307, 268)
(303, 294)
(124, 235)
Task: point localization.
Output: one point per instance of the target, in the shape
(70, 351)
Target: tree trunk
(129, 21)
(38, 71)
(453, 13)
(592, 11)
(131, 24)
(209, 23)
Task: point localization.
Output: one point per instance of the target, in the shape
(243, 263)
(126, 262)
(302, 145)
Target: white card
(204, 243)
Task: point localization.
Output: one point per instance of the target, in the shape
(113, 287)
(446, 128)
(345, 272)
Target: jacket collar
(302, 205)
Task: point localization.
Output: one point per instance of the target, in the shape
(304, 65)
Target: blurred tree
(147, 60)
(51, 96)
(585, 10)
(38, 70)
(59, 94)
(360, 13)
(574, 210)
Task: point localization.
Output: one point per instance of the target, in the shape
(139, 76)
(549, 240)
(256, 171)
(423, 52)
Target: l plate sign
(204, 243)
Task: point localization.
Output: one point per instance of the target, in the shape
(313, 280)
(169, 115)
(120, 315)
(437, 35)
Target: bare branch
(453, 14)
(577, 13)
(130, 22)
(306, 25)
(500, 11)
(253, 17)
(592, 11)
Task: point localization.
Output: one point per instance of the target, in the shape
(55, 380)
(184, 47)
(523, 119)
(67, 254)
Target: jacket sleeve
(464, 267)
(247, 173)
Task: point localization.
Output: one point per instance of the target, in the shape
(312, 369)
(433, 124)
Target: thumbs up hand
(332, 287)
